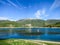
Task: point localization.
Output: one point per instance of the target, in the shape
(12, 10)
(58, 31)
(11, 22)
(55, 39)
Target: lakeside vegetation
(24, 42)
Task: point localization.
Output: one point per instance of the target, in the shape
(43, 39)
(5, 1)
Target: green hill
(33, 22)
(52, 21)
(30, 22)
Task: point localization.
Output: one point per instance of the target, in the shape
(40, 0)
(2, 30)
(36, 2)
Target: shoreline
(48, 41)
(38, 41)
(26, 41)
(29, 27)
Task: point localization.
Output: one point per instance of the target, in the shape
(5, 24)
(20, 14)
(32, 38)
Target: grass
(51, 44)
(16, 42)
(22, 42)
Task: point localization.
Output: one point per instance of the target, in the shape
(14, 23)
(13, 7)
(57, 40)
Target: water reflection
(31, 33)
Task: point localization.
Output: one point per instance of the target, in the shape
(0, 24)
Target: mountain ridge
(33, 22)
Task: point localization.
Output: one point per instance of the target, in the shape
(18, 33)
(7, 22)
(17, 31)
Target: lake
(51, 34)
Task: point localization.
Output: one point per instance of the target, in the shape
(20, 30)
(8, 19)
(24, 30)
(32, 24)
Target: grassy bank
(24, 42)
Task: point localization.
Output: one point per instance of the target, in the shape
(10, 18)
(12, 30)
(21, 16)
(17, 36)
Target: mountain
(56, 24)
(6, 23)
(33, 22)
(52, 21)
(30, 22)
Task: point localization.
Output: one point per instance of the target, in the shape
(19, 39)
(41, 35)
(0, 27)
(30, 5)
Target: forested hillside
(30, 22)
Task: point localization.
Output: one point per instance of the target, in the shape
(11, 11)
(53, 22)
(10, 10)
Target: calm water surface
(6, 33)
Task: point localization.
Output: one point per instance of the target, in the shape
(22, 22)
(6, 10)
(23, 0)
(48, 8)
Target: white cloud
(55, 4)
(13, 4)
(3, 18)
(40, 14)
(4, 3)
(6, 18)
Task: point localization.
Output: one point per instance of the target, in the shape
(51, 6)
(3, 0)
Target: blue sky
(33, 9)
